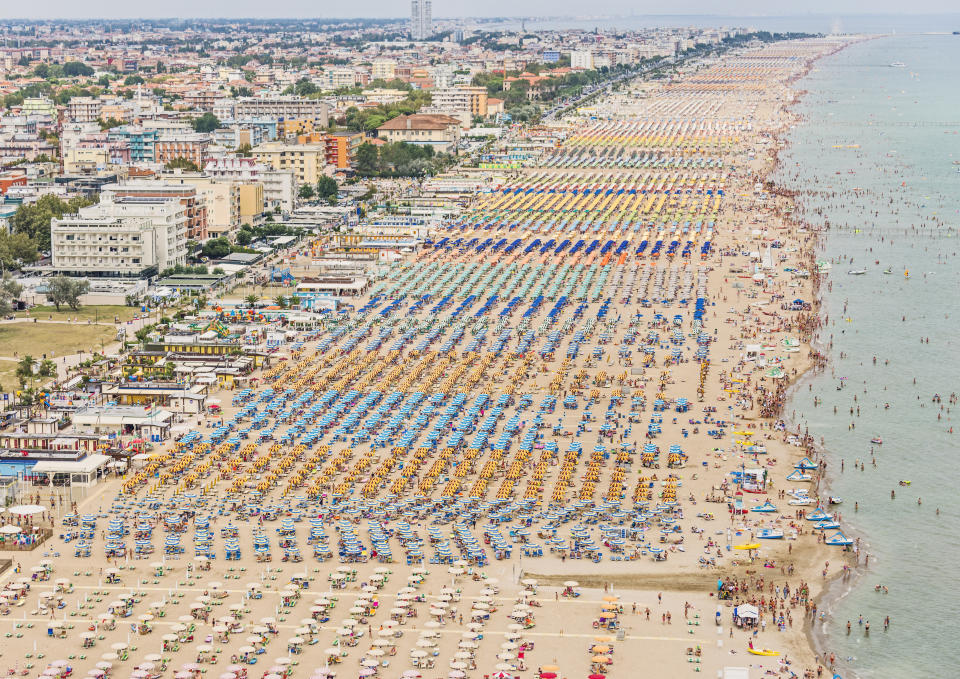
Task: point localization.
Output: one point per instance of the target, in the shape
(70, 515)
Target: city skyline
(384, 9)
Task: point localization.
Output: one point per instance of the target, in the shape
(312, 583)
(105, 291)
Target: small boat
(834, 500)
(765, 507)
(906, 274)
(888, 270)
(762, 651)
(799, 476)
(819, 515)
(898, 64)
(857, 272)
(769, 534)
(801, 502)
(878, 440)
(826, 525)
(838, 539)
(805, 463)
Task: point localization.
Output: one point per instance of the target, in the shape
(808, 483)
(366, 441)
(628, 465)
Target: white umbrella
(24, 510)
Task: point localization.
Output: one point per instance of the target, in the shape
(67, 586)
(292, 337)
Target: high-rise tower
(421, 19)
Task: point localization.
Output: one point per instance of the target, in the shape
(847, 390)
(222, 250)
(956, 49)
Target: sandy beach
(564, 505)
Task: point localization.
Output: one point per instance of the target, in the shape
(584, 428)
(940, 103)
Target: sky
(455, 8)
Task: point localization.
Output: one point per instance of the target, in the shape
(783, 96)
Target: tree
(206, 123)
(217, 248)
(47, 368)
(9, 293)
(244, 237)
(367, 160)
(25, 368)
(327, 188)
(281, 301)
(244, 151)
(17, 249)
(109, 123)
(34, 219)
(252, 299)
(74, 69)
(183, 164)
(307, 192)
(63, 290)
(133, 80)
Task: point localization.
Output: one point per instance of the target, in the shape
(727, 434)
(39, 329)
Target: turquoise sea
(891, 195)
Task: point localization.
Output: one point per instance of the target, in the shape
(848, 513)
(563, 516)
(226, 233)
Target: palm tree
(25, 369)
(281, 301)
(252, 299)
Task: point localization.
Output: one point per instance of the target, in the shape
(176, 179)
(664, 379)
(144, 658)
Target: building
(279, 187)
(10, 178)
(551, 56)
(283, 106)
(292, 127)
(83, 109)
(192, 147)
(341, 148)
(440, 132)
(382, 95)
(383, 69)
(120, 237)
(230, 203)
(141, 141)
(336, 78)
(305, 161)
(471, 100)
(421, 19)
(235, 136)
(38, 106)
(95, 153)
(151, 188)
(201, 100)
(581, 59)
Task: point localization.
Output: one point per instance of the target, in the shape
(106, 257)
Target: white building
(121, 236)
(280, 106)
(279, 186)
(336, 77)
(421, 19)
(582, 59)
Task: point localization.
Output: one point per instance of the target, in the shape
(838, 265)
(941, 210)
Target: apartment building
(581, 59)
(305, 161)
(229, 202)
(142, 142)
(341, 148)
(283, 106)
(192, 147)
(83, 109)
(383, 69)
(472, 100)
(121, 237)
(334, 78)
(279, 186)
(186, 195)
(201, 100)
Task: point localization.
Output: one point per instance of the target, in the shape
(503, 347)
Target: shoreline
(841, 583)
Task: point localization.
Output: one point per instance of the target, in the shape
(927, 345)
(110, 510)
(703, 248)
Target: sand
(561, 629)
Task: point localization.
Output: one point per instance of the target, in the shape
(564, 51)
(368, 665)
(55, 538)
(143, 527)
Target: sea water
(891, 193)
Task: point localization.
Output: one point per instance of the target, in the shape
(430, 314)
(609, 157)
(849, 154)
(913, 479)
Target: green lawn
(104, 314)
(57, 339)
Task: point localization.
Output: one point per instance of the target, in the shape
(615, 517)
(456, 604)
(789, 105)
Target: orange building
(12, 178)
